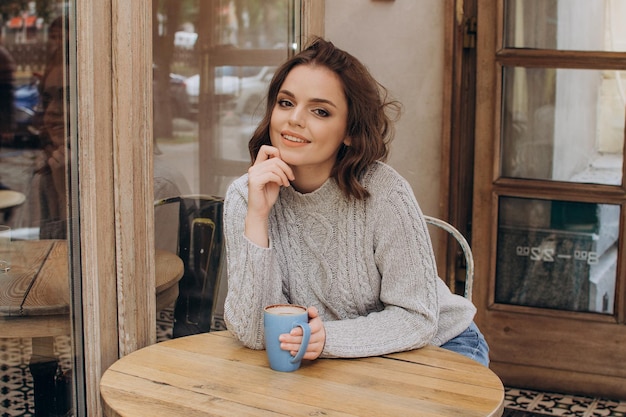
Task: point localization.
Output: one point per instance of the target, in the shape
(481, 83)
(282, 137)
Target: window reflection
(563, 124)
(34, 154)
(51, 172)
(213, 61)
(557, 254)
(580, 25)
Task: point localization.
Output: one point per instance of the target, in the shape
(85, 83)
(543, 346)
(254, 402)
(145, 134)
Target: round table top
(213, 374)
(10, 198)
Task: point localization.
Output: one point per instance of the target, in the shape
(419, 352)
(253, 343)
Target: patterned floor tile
(563, 405)
(165, 324)
(16, 382)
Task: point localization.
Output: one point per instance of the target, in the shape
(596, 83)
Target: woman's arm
(404, 265)
(254, 280)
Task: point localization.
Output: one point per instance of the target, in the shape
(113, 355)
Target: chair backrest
(467, 251)
(200, 246)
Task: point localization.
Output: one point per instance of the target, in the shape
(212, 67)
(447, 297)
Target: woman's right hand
(265, 177)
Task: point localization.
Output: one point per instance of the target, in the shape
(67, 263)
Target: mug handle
(306, 330)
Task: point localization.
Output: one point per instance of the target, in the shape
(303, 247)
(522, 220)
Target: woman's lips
(293, 140)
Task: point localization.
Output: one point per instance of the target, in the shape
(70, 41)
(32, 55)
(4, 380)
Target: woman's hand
(265, 178)
(292, 341)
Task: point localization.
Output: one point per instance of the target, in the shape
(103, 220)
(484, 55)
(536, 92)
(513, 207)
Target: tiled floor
(523, 403)
(16, 382)
(16, 385)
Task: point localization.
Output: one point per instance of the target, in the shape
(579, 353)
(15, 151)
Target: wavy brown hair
(370, 113)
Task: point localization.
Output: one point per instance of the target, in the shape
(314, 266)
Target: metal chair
(200, 246)
(467, 251)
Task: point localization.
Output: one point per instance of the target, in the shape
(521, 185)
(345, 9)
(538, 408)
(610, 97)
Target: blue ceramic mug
(280, 319)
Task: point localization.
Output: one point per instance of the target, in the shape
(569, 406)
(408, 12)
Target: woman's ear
(347, 141)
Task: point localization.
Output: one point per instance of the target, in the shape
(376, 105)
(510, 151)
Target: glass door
(550, 212)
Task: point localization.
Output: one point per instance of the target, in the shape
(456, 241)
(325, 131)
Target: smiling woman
(309, 124)
(321, 221)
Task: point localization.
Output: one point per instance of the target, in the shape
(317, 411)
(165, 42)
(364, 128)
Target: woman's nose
(296, 119)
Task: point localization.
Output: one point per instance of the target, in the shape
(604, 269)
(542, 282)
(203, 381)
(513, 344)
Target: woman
(320, 220)
(52, 169)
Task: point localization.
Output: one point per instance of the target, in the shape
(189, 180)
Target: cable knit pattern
(368, 266)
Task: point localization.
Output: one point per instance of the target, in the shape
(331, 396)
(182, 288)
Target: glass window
(213, 61)
(557, 254)
(563, 124)
(580, 25)
(36, 153)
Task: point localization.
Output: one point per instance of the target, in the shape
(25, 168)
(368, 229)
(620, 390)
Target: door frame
(457, 149)
(538, 360)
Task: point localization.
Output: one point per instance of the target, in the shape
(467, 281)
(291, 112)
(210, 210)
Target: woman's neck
(308, 180)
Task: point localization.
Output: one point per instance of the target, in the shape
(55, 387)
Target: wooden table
(35, 298)
(213, 374)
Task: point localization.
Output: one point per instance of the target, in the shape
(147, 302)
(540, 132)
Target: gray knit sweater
(367, 265)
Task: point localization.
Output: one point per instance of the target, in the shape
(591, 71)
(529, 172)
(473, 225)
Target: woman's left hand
(292, 341)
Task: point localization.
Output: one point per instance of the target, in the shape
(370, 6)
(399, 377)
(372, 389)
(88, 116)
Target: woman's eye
(321, 112)
(284, 103)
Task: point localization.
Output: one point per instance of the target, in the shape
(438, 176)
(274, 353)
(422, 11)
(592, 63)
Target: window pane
(557, 254)
(213, 62)
(563, 124)
(36, 153)
(581, 25)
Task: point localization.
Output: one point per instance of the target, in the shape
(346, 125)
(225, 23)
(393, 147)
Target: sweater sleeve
(405, 267)
(253, 277)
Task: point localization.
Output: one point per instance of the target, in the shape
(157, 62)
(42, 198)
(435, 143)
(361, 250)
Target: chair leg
(43, 385)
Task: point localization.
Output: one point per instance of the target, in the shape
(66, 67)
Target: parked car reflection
(239, 89)
(177, 94)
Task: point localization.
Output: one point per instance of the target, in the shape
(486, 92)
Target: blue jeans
(470, 343)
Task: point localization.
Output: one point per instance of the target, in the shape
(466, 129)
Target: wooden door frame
(457, 150)
(525, 364)
(94, 73)
(114, 131)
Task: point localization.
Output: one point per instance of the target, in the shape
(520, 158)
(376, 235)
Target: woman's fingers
(266, 152)
(270, 171)
(268, 160)
(292, 341)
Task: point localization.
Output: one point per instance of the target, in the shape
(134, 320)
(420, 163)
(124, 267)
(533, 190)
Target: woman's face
(309, 120)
